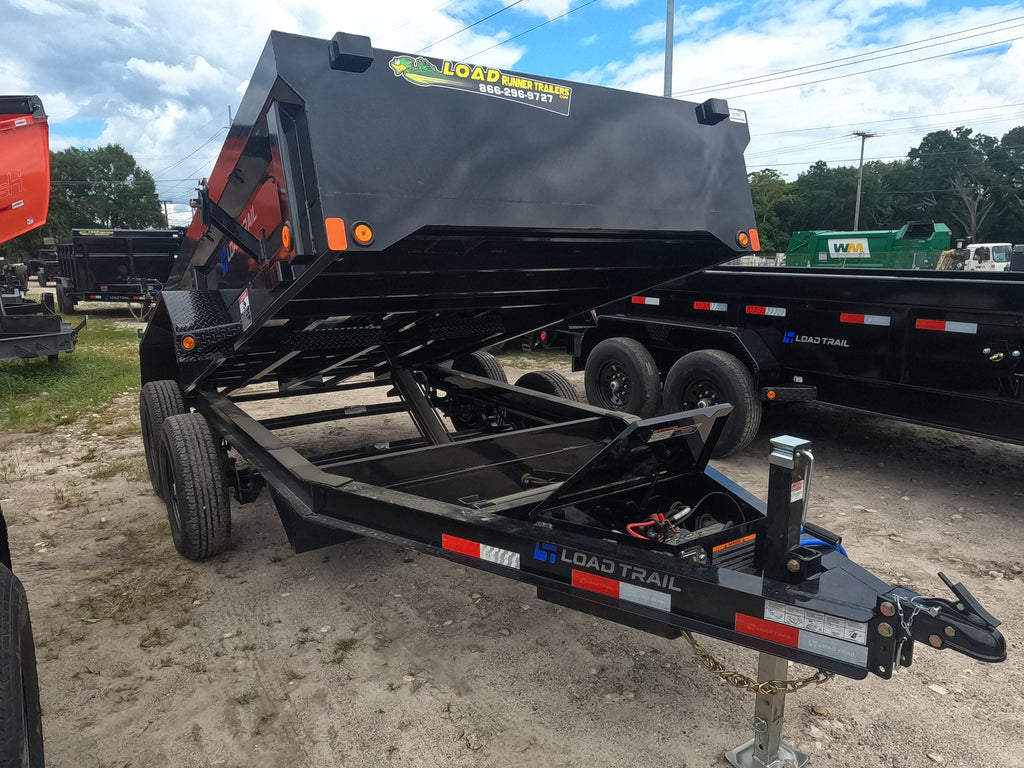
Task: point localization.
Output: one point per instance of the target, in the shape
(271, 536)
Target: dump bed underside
(490, 216)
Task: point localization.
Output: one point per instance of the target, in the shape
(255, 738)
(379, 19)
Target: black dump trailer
(115, 265)
(45, 266)
(373, 220)
(926, 346)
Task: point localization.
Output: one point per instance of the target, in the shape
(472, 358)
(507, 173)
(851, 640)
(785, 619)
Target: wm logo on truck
(854, 248)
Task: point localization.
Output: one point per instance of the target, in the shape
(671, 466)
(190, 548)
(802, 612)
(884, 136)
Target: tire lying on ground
(710, 377)
(621, 376)
(198, 505)
(21, 729)
(158, 400)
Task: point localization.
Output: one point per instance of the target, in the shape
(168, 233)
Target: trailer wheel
(21, 273)
(41, 279)
(709, 377)
(159, 399)
(21, 728)
(198, 506)
(64, 306)
(466, 414)
(549, 383)
(620, 375)
(47, 301)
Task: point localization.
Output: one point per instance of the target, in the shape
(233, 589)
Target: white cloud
(178, 79)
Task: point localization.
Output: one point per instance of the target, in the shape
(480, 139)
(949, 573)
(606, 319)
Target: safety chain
(738, 680)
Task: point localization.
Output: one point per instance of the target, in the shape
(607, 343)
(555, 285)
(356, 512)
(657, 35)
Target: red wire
(631, 526)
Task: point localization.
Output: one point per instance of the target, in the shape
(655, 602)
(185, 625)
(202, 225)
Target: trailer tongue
(375, 218)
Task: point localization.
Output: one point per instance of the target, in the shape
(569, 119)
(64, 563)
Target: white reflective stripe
(648, 300)
(877, 320)
(961, 327)
(20, 122)
(499, 556)
(833, 648)
(662, 601)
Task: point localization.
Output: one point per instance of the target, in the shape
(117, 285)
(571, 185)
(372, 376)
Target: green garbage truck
(915, 245)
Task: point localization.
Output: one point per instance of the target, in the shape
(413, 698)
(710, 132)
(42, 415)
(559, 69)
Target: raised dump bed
(376, 217)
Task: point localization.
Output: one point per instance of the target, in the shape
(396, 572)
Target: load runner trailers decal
(417, 70)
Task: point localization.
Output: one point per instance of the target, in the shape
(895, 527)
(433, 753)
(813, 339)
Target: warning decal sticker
(417, 70)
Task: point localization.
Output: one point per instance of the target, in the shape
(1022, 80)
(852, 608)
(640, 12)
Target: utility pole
(167, 218)
(669, 36)
(864, 136)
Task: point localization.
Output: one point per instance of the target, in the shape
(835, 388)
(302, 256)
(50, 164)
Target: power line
(834, 63)
(470, 26)
(533, 29)
(875, 69)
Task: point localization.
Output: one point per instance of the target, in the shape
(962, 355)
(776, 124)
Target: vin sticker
(551, 97)
(244, 310)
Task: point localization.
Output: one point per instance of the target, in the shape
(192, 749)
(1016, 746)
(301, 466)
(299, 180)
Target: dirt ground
(369, 654)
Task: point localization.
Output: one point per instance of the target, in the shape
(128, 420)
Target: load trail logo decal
(484, 80)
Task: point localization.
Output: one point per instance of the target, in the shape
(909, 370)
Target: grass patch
(556, 359)
(342, 648)
(38, 396)
(133, 469)
(145, 576)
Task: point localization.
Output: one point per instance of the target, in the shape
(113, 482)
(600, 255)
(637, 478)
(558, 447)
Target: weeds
(155, 637)
(342, 648)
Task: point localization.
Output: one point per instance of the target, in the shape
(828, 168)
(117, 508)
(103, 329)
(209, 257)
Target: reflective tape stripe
(633, 593)
(648, 300)
(480, 551)
(753, 309)
(710, 306)
(767, 630)
(945, 325)
(852, 317)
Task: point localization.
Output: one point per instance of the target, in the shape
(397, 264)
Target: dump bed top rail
(371, 207)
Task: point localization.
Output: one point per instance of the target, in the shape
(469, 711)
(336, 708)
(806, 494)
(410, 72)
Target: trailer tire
(47, 301)
(481, 363)
(21, 274)
(64, 306)
(21, 728)
(158, 400)
(198, 506)
(549, 383)
(709, 377)
(41, 279)
(620, 375)
(463, 413)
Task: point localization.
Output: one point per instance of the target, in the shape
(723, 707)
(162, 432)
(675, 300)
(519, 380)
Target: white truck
(989, 256)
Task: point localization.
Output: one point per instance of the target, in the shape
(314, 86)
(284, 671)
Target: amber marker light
(286, 237)
(755, 240)
(743, 239)
(770, 394)
(362, 233)
(188, 343)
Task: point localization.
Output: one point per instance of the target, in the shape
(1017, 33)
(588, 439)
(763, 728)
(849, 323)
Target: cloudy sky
(160, 78)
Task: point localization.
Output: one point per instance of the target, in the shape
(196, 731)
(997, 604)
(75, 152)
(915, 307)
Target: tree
(954, 170)
(769, 192)
(102, 187)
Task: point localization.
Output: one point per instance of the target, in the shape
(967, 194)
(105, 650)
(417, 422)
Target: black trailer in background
(338, 249)
(932, 347)
(115, 265)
